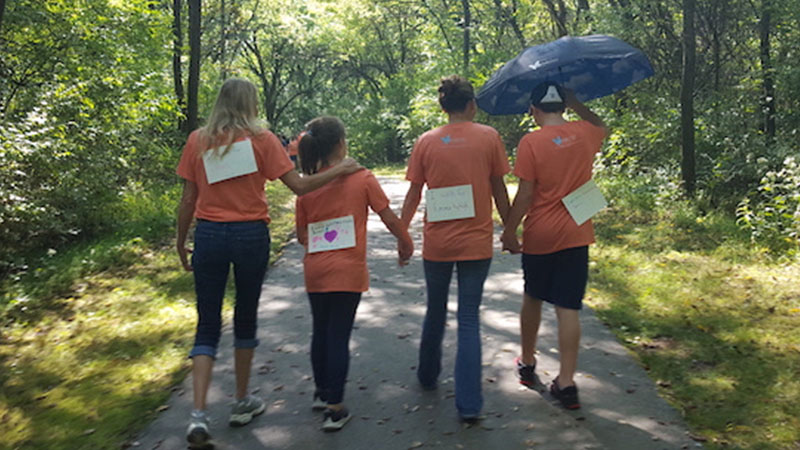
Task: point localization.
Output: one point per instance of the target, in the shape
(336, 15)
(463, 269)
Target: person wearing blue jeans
(462, 164)
(230, 205)
(471, 276)
(217, 246)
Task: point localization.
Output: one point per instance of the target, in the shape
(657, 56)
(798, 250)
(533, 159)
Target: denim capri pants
(217, 246)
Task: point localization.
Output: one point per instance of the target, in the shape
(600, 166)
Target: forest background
(97, 97)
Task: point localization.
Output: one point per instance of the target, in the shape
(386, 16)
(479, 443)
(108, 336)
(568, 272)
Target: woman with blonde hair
(225, 166)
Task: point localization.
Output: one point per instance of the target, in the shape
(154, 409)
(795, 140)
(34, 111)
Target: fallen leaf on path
(698, 438)
(162, 408)
(416, 444)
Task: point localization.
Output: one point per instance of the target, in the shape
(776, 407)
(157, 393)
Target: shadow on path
(621, 409)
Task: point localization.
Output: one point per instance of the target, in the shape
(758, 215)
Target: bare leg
(530, 316)
(201, 379)
(569, 337)
(243, 360)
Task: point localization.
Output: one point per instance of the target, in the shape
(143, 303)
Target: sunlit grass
(88, 369)
(720, 336)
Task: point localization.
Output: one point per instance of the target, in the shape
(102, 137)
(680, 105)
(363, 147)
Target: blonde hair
(235, 114)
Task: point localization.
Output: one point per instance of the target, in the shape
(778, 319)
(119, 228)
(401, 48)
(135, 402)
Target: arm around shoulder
(303, 185)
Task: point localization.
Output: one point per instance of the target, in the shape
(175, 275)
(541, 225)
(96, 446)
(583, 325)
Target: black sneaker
(471, 420)
(567, 396)
(336, 420)
(525, 373)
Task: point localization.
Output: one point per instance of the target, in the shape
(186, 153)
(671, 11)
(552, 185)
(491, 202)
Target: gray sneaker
(245, 409)
(197, 433)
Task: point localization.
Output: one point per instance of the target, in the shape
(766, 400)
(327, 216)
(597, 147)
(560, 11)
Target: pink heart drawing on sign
(330, 235)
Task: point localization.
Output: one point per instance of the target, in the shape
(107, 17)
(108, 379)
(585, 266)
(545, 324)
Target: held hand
(183, 255)
(404, 251)
(510, 241)
(349, 165)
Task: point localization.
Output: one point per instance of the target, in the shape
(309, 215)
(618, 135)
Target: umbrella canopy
(592, 66)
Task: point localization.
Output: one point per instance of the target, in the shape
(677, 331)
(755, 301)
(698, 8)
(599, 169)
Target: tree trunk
(467, 25)
(687, 101)
(177, 51)
(2, 9)
(194, 64)
(766, 67)
(558, 15)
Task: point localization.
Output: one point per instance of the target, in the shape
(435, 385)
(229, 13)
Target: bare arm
(584, 112)
(185, 216)
(299, 224)
(515, 214)
(410, 204)
(303, 185)
(500, 194)
(405, 247)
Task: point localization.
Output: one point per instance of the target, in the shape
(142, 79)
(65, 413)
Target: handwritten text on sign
(333, 234)
(239, 160)
(450, 203)
(584, 202)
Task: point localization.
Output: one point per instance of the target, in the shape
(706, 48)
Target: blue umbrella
(592, 66)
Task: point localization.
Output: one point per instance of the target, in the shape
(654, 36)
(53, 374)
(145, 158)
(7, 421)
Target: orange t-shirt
(294, 146)
(557, 159)
(237, 199)
(452, 155)
(343, 270)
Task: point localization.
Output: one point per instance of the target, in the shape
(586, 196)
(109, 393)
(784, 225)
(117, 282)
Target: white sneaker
(197, 433)
(245, 409)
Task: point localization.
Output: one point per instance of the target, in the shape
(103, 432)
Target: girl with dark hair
(224, 166)
(463, 164)
(332, 225)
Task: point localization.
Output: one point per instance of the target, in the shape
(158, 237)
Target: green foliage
(718, 334)
(772, 212)
(84, 116)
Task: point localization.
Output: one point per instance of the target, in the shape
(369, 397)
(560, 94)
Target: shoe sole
(336, 426)
(239, 420)
(198, 439)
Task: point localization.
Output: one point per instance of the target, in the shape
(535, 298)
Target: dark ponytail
(455, 93)
(321, 137)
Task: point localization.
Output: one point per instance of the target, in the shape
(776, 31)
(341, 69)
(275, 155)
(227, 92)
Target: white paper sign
(239, 160)
(450, 203)
(333, 234)
(584, 202)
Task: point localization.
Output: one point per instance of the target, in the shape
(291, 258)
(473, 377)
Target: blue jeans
(471, 276)
(333, 315)
(217, 245)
